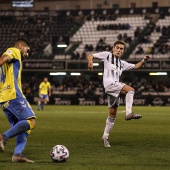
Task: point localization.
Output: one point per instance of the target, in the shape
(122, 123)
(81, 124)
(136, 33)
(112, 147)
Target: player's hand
(90, 65)
(146, 58)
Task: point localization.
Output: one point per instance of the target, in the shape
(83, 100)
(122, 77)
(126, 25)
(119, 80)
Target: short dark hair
(23, 40)
(120, 42)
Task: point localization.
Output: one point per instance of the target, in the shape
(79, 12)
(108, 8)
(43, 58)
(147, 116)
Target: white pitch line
(121, 111)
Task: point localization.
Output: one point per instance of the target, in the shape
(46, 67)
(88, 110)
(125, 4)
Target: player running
(44, 93)
(113, 68)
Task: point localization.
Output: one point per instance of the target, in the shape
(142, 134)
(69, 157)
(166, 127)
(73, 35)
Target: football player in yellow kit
(44, 93)
(14, 104)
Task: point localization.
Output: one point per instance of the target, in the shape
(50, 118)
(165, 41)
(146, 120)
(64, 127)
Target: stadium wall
(69, 65)
(87, 4)
(147, 100)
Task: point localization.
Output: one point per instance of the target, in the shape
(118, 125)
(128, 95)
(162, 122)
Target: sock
(42, 103)
(21, 141)
(108, 127)
(129, 102)
(38, 107)
(17, 129)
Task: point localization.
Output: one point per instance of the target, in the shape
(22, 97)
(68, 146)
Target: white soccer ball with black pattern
(59, 153)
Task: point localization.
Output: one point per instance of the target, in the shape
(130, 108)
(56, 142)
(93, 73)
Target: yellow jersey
(44, 87)
(10, 76)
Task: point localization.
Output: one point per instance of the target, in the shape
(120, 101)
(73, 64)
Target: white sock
(129, 102)
(108, 127)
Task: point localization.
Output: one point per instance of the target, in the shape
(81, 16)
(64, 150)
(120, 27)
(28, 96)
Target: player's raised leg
(129, 91)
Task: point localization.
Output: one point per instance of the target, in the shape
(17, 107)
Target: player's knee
(112, 112)
(131, 90)
(126, 89)
(32, 123)
(46, 100)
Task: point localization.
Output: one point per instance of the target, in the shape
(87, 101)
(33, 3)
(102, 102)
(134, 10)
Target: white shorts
(113, 93)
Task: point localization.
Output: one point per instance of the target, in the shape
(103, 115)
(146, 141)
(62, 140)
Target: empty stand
(39, 31)
(89, 33)
(160, 41)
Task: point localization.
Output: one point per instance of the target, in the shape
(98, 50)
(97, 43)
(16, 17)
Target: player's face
(45, 80)
(25, 51)
(118, 50)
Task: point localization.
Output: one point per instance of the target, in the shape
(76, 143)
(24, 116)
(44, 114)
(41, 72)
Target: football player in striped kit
(113, 68)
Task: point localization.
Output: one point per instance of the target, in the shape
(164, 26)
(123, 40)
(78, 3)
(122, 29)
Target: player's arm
(90, 62)
(141, 63)
(49, 91)
(40, 92)
(4, 59)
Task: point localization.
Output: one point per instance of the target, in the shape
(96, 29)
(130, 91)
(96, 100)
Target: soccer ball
(59, 153)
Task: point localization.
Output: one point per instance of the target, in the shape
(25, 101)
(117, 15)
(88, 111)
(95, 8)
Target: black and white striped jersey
(113, 67)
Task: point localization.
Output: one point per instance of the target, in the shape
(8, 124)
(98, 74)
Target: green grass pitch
(135, 145)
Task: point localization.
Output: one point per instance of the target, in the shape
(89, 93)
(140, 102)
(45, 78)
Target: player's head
(45, 79)
(23, 45)
(119, 48)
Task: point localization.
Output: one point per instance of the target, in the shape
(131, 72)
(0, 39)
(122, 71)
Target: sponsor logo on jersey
(6, 88)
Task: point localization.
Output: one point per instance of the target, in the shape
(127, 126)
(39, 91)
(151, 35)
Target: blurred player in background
(44, 93)
(14, 104)
(113, 68)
